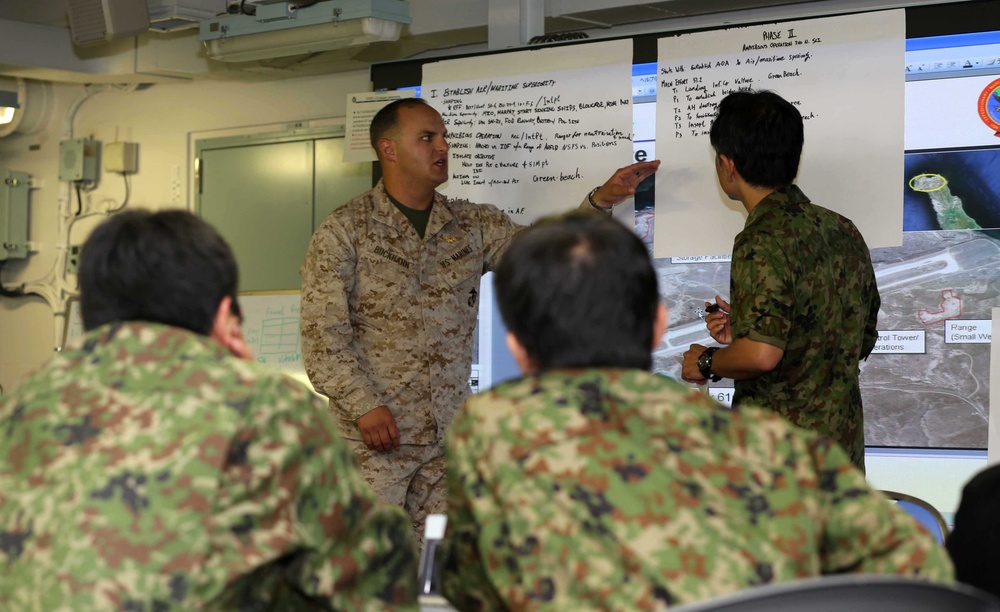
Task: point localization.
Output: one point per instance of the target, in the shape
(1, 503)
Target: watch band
(593, 204)
(705, 364)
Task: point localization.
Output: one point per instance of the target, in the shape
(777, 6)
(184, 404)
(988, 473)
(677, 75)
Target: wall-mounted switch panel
(122, 157)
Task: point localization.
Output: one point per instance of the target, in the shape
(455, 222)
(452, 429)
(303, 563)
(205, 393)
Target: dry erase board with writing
(271, 328)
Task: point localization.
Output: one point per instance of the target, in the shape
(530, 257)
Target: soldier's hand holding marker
(717, 321)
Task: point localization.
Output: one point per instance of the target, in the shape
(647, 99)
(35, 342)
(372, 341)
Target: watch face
(705, 363)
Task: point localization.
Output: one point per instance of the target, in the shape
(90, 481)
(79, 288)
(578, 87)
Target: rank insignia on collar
(449, 239)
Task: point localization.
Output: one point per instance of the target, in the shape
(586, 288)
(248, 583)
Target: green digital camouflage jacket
(802, 280)
(626, 490)
(146, 469)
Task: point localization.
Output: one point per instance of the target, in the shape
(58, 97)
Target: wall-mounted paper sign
(533, 131)
(842, 73)
(361, 107)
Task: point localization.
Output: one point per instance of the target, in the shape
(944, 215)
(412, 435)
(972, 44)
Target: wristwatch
(705, 364)
(590, 198)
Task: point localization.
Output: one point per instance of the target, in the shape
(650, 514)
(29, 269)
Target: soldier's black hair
(762, 133)
(387, 118)
(165, 267)
(579, 290)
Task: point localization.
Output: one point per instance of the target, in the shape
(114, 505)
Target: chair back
(429, 569)
(926, 514)
(852, 593)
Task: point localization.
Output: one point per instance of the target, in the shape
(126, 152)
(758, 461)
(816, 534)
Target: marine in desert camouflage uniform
(390, 298)
(152, 466)
(592, 483)
(804, 298)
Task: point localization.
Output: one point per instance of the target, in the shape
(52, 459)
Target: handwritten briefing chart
(845, 75)
(533, 131)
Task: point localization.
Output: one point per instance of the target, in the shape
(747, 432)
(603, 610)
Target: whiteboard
(271, 329)
(533, 131)
(844, 74)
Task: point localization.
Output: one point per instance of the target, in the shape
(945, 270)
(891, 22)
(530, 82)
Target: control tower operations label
(902, 342)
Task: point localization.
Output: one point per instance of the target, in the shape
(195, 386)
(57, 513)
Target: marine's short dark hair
(387, 118)
(762, 133)
(166, 267)
(579, 290)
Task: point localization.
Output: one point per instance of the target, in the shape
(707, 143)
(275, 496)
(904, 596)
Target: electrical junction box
(78, 160)
(121, 157)
(14, 188)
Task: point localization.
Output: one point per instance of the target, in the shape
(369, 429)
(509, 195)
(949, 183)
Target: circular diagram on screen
(989, 106)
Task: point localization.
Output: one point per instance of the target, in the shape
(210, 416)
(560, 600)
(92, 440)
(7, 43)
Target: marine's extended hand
(378, 429)
(717, 322)
(623, 183)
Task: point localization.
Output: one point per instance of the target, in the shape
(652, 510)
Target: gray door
(267, 193)
(336, 181)
(260, 198)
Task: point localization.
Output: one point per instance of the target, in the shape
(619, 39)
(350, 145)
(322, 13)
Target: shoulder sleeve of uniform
(464, 577)
(763, 289)
(497, 231)
(329, 273)
(863, 531)
(291, 484)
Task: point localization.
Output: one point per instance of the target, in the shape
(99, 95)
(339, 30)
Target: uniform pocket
(384, 285)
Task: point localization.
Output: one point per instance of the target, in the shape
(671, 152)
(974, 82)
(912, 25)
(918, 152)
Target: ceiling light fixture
(8, 106)
(283, 28)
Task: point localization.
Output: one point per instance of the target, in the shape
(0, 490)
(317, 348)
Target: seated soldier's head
(577, 291)
(166, 267)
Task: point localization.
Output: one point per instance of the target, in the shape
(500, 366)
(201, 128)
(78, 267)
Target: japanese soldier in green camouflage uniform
(802, 287)
(151, 465)
(591, 483)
